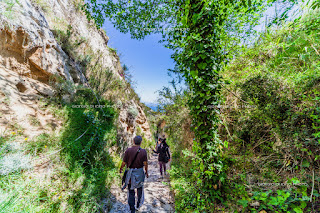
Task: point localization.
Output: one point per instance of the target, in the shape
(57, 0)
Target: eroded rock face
(20, 105)
(130, 123)
(30, 54)
(29, 47)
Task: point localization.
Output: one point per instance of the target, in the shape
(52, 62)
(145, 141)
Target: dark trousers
(162, 164)
(131, 199)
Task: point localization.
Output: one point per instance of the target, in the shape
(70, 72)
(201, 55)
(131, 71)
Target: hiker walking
(164, 155)
(135, 159)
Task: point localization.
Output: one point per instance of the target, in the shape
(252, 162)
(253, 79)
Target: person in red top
(135, 175)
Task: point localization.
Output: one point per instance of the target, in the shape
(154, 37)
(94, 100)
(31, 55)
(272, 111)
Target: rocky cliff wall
(40, 39)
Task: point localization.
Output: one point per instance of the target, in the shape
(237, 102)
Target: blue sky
(148, 61)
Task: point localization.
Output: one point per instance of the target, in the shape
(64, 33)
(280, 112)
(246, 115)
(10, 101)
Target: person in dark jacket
(164, 155)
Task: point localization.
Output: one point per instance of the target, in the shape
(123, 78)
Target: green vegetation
(269, 124)
(44, 5)
(8, 9)
(33, 121)
(210, 28)
(113, 50)
(146, 144)
(70, 171)
(245, 134)
(63, 38)
(132, 110)
(101, 78)
(78, 4)
(280, 79)
(213, 30)
(73, 170)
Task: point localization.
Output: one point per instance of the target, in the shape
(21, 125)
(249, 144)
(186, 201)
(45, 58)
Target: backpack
(164, 154)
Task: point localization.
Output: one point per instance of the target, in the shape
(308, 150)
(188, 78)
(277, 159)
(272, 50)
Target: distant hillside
(153, 106)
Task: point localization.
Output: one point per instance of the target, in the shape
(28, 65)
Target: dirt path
(157, 195)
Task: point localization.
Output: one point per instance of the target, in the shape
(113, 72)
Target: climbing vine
(200, 62)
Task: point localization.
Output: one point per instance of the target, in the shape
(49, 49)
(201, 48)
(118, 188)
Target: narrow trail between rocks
(157, 195)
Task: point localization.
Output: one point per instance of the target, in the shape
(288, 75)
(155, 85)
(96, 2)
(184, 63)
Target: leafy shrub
(64, 39)
(293, 199)
(133, 111)
(61, 87)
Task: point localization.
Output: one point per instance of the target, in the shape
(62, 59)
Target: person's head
(137, 140)
(163, 140)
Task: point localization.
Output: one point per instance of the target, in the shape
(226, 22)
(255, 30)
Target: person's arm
(168, 153)
(157, 151)
(124, 162)
(145, 163)
(122, 165)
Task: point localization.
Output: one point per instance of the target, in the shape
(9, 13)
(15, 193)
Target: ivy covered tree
(202, 34)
